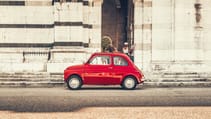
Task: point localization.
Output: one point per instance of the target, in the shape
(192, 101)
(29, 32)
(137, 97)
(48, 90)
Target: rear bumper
(141, 79)
(141, 82)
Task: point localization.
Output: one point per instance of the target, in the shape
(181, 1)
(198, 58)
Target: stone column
(96, 21)
(163, 34)
(198, 30)
(143, 33)
(87, 28)
(206, 9)
(185, 44)
(68, 22)
(86, 21)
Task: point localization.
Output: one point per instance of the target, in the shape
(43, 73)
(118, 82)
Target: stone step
(186, 80)
(33, 76)
(178, 75)
(22, 73)
(25, 77)
(206, 75)
(182, 76)
(32, 79)
(174, 76)
(54, 79)
(31, 83)
(30, 75)
(179, 79)
(177, 84)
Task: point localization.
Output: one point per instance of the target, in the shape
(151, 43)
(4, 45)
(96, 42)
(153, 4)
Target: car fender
(69, 73)
(138, 79)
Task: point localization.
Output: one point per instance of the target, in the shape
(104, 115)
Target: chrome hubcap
(129, 83)
(74, 83)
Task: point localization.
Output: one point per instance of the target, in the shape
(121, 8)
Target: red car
(104, 69)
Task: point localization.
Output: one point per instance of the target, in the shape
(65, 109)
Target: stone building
(49, 35)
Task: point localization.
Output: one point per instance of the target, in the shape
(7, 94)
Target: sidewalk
(28, 84)
(118, 113)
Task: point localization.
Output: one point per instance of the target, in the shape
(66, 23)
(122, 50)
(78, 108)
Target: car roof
(110, 53)
(113, 54)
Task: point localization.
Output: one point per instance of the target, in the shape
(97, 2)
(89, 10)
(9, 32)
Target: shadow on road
(107, 88)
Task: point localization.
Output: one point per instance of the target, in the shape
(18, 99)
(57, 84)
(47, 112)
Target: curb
(44, 84)
(177, 84)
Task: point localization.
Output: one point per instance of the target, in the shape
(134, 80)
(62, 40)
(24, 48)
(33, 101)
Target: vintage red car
(104, 69)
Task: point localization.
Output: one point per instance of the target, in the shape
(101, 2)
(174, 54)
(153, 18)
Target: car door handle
(110, 67)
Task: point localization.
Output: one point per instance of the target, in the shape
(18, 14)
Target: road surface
(61, 99)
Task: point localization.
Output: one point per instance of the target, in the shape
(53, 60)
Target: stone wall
(170, 35)
(50, 33)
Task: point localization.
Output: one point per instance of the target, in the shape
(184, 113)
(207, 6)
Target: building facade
(49, 35)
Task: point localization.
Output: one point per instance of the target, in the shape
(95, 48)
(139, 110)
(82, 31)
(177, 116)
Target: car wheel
(74, 82)
(129, 83)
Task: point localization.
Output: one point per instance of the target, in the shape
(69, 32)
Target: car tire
(74, 82)
(129, 83)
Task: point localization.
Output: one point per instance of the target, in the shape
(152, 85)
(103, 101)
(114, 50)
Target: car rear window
(120, 61)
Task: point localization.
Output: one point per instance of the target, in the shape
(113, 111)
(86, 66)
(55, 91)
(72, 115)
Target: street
(63, 100)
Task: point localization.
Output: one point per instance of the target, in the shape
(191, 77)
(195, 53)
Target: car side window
(100, 60)
(120, 61)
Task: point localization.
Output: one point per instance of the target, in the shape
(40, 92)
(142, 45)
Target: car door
(120, 69)
(98, 70)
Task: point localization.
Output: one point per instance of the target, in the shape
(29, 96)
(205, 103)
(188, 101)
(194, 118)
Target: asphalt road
(60, 99)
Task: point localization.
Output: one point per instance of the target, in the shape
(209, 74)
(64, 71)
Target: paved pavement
(105, 103)
(60, 99)
(117, 113)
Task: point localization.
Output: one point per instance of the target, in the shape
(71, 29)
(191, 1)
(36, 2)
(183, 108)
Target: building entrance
(117, 21)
